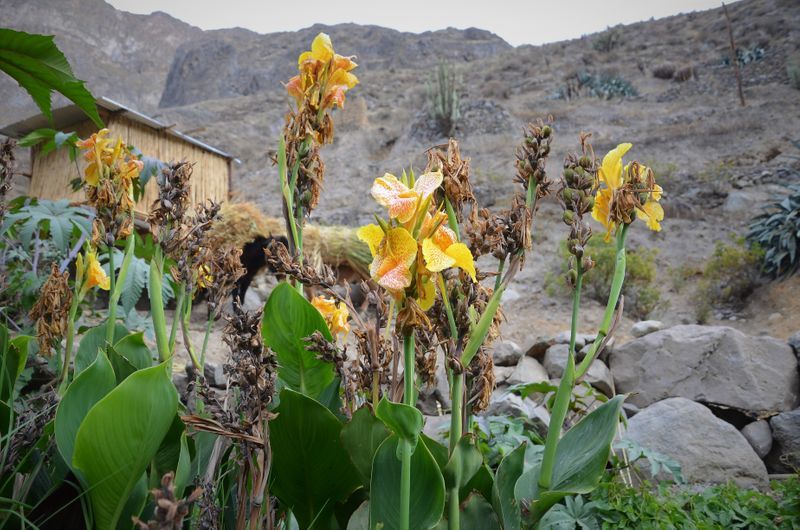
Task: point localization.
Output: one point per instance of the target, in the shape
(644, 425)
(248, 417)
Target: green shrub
(607, 40)
(618, 506)
(603, 86)
(746, 55)
(730, 275)
(642, 296)
(777, 231)
(443, 98)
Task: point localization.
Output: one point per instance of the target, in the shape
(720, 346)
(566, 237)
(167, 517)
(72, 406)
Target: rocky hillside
(717, 161)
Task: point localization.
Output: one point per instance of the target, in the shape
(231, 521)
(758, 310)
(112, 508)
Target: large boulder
(708, 449)
(506, 353)
(785, 454)
(529, 370)
(759, 434)
(713, 364)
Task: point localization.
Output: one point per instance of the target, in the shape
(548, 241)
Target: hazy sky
(516, 21)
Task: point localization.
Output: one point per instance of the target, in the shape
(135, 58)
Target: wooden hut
(52, 173)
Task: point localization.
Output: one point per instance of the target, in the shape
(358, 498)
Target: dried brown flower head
(51, 311)
(169, 511)
(456, 178)
(279, 260)
(481, 374)
(8, 164)
(531, 157)
(168, 210)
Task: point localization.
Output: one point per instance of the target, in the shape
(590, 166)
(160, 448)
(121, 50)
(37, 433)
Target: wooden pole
(734, 61)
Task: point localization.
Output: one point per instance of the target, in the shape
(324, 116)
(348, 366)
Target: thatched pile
(337, 246)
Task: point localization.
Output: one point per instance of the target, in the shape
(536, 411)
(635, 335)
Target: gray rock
(527, 371)
(556, 359)
(539, 348)
(506, 353)
(599, 376)
(214, 373)
(580, 339)
(437, 427)
(794, 342)
(645, 327)
(502, 373)
(540, 417)
(252, 300)
(759, 435)
(715, 364)
(507, 404)
(708, 449)
(785, 454)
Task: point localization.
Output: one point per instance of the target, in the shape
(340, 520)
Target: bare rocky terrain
(717, 161)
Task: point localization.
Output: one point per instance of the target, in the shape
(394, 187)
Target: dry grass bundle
(337, 246)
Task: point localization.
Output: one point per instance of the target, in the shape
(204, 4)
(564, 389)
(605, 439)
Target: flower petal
(427, 184)
(394, 276)
(463, 258)
(610, 171)
(436, 259)
(657, 192)
(321, 48)
(401, 245)
(372, 235)
(427, 293)
(601, 211)
(394, 195)
(652, 213)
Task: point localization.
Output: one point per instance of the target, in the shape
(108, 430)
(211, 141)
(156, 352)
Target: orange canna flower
(324, 76)
(335, 315)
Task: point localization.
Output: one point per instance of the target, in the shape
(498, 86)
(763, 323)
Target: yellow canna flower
(625, 192)
(324, 76)
(335, 315)
(402, 201)
(442, 251)
(91, 273)
(392, 258)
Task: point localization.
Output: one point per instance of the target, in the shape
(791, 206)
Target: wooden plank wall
(52, 173)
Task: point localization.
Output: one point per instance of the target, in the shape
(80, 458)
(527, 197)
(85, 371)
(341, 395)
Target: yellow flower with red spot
(401, 201)
(626, 192)
(443, 251)
(336, 315)
(324, 76)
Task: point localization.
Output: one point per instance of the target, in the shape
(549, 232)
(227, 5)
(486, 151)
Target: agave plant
(777, 231)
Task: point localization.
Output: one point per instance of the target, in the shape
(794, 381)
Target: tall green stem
(209, 325)
(173, 332)
(73, 310)
(118, 285)
(564, 390)
(157, 305)
(408, 399)
(613, 298)
(112, 308)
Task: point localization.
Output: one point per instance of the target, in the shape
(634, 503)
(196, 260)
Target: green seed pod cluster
(576, 196)
(531, 156)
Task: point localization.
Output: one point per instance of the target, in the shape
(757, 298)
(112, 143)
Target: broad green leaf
(477, 514)
(89, 387)
(427, 488)
(137, 500)
(93, 340)
(465, 461)
(122, 367)
(482, 482)
(508, 472)
(311, 469)
(168, 454)
(133, 348)
(119, 438)
(404, 420)
(288, 319)
(36, 63)
(15, 355)
(361, 437)
(183, 471)
(581, 458)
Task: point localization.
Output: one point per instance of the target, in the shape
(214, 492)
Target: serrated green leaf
(36, 63)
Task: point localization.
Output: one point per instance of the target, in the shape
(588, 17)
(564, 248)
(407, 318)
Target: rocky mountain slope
(717, 161)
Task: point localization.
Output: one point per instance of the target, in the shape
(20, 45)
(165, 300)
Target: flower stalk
(407, 450)
(117, 283)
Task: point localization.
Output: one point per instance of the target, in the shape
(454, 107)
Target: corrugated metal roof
(71, 114)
